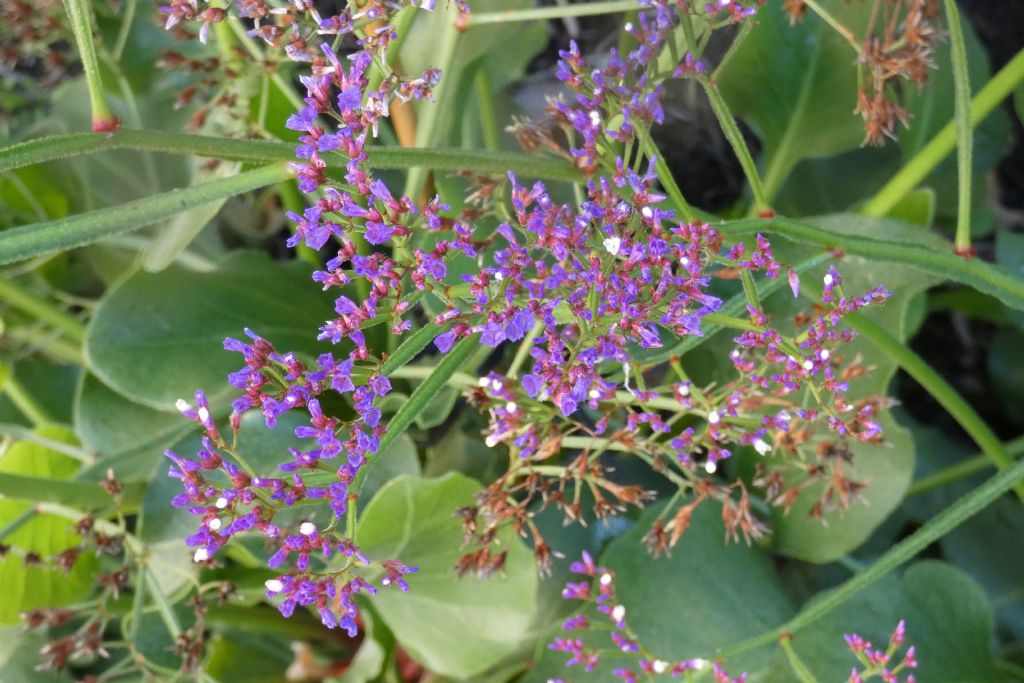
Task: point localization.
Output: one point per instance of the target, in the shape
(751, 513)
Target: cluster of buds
(586, 292)
(230, 499)
(33, 37)
(882, 663)
(597, 592)
(788, 399)
(898, 45)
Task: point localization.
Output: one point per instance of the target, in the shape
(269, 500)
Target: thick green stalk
(28, 241)
(583, 9)
(739, 145)
(964, 130)
(82, 23)
(14, 295)
(234, 149)
(803, 674)
(983, 276)
(924, 162)
(961, 470)
(940, 525)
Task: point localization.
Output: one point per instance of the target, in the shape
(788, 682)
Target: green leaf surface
(708, 594)
(807, 111)
(19, 657)
(248, 658)
(413, 520)
(53, 386)
(28, 587)
(106, 422)
(948, 621)
(159, 336)
(172, 239)
(706, 574)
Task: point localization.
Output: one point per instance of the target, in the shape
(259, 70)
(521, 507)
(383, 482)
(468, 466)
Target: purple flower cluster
(579, 287)
(323, 568)
(882, 663)
(599, 591)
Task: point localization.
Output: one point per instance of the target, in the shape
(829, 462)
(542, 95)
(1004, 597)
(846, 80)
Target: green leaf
(158, 337)
(228, 149)
(27, 241)
(706, 574)
(398, 459)
(808, 109)
(106, 422)
(438, 410)
(28, 587)
(948, 621)
(53, 386)
(917, 208)
(248, 658)
(483, 620)
(975, 548)
(173, 238)
(886, 469)
(708, 594)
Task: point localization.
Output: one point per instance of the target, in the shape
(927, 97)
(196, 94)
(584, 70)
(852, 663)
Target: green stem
(28, 241)
(125, 29)
(835, 24)
(940, 525)
(803, 674)
(586, 9)
(13, 294)
(410, 348)
(964, 129)
(665, 176)
(234, 149)
(739, 145)
(961, 470)
(941, 390)
(82, 25)
(485, 103)
(22, 399)
(21, 433)
(983, 276)
(918, 168)
(170, 619)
